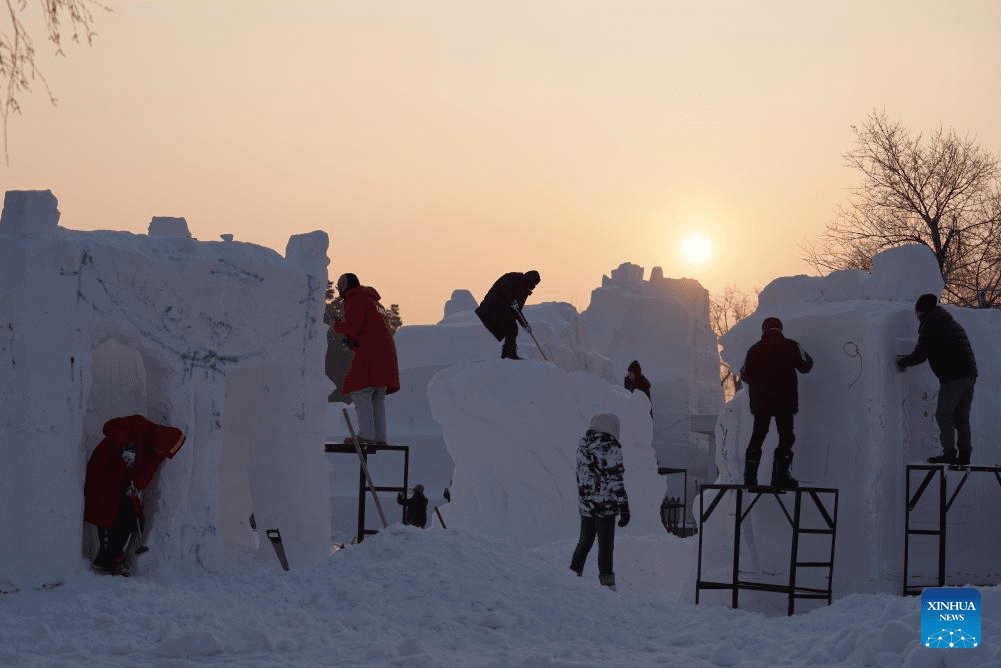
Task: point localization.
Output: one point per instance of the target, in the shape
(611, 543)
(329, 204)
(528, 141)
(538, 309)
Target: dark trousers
(590, 527)
(783, 423)
(114, 539)
(504, 326)
(955, 400)
(509, 330)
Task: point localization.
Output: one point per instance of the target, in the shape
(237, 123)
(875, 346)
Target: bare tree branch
(941, 191)
(17, 49)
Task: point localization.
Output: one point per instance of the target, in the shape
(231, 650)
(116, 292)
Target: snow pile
(219, 339)
(454, 599)
(512, 430)
(861, 422)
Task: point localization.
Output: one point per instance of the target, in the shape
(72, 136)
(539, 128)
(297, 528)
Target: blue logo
(950, 617)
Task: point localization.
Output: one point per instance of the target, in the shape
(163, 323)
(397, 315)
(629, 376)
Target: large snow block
(221, 340)
(512, 430)
(860, 423)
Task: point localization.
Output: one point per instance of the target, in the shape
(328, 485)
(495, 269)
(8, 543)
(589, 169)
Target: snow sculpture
(860, 423)
(664, 324)
(512, 430)
(219, 339)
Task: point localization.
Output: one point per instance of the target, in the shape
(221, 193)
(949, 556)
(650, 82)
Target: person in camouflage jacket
(601, 495)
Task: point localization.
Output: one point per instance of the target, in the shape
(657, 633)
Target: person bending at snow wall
(944, 343)
(500, 310)
(601, 495)
(123, 465)
(773, 388)
(374, 370)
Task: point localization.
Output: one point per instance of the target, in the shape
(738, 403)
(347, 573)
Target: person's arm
(804, 362)
(354, 319)
(920, 352)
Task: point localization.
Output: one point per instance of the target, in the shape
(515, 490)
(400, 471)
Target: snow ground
(425, 598)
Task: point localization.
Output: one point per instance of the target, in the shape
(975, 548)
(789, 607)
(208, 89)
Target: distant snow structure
(461, 300)
(860, 422)
(664, 324)
(222, 340)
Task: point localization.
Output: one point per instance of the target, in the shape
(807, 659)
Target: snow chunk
(167, 226)
(512, 429)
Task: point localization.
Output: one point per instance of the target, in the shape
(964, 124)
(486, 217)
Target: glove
(900, 366)
(623, 516)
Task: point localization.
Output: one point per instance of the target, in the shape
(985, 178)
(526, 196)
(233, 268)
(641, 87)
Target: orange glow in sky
(441, 144)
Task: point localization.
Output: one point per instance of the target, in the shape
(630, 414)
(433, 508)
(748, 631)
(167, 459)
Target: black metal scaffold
(792, 590)
(943, 508)
(354, 445)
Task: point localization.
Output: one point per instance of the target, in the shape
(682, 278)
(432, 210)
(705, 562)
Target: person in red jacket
(123, 465)
(374, 370)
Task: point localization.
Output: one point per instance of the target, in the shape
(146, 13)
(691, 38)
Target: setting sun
(696, 248)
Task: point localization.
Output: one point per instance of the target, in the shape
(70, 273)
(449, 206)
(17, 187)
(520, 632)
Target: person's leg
(362, 399)
(114, 539)
(605, 529)
(949, 396)
(584, 543)
(752, 457)
(509, 330)
(964, 435)
(379, 414)
(783, 452)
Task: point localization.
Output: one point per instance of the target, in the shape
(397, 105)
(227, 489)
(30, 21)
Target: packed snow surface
(424, 598)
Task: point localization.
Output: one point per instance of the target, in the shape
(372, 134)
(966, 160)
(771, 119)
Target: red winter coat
(108, 476)
(374, 363)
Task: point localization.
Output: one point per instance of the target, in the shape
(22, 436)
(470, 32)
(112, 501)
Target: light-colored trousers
(370, 406)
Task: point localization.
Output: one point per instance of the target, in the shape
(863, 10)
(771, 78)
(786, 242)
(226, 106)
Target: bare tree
(17, 50)
(943, 192)
(725, 311)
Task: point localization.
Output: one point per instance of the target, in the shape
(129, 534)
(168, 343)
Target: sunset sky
(443, 143)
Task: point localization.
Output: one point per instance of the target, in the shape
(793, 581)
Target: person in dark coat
(415, 509)
(601, 495)
(635, 380)
(944, 344)
(120, 468)
(374, 371)
(769, 371)
(500, 310)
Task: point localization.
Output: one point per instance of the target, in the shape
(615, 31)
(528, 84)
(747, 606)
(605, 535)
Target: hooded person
(415, 508)
(123, 465)
(601, 495)
(943, 342)
(635, 380)
(500, 310)
(769, 371)
(374, 370)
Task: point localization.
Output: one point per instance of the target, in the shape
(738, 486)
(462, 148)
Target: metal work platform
(943, 508)
(792, 590)
(371, 449)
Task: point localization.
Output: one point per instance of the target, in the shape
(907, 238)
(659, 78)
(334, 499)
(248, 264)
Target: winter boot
(751, 461)
(607, 580)
(963, 458)
(947, 457)
(780, 471)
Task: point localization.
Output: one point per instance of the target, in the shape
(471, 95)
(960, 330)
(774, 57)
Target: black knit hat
(634, 367)
(926, 303)
(771, 323)
(533, 276)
